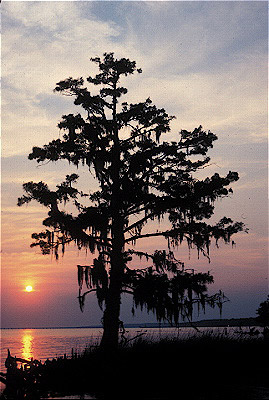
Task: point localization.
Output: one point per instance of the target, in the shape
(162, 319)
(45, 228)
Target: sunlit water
(41, 344)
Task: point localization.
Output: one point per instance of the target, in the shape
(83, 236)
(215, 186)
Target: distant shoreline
(209, 323)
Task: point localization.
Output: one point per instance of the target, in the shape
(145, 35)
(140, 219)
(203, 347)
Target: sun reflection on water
(27, 345)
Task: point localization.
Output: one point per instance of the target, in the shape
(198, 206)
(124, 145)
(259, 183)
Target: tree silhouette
(263, 313)
(141, 179)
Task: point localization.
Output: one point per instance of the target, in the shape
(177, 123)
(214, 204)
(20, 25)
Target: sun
(29, 288)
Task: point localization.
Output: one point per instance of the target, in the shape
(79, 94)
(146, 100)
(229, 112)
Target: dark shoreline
(206, 323)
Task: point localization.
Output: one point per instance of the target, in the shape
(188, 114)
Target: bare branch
(85, 293)
(127, 291)
(141, 221)
(147, 235)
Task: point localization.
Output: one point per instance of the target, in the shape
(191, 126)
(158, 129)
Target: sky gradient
(204, 62)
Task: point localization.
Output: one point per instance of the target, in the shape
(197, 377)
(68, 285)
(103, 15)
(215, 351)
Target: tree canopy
(141, 178)
(263, 312)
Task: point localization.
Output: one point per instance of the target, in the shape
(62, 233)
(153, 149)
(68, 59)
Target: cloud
(199, 63)
(43, 42)
(62, 44)
(231, 101)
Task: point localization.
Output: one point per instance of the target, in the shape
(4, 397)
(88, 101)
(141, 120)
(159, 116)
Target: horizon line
(138, 324)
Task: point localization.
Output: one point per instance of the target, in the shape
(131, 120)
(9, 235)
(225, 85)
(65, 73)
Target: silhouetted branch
(147, 235)
(127, 291)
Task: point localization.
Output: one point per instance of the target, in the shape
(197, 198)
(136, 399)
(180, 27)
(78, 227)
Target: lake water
(49, 343)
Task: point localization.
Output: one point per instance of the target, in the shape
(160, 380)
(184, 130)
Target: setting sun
(29, 288)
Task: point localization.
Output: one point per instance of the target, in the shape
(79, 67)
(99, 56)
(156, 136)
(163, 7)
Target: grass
(206, 367)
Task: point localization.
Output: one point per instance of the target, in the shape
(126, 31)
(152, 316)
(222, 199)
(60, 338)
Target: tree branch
(166, 234)
(139, 222)
(147, 235)
(127, 291)
(84, 294)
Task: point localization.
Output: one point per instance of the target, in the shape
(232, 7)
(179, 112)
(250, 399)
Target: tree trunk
(111, 315)
(113, 300)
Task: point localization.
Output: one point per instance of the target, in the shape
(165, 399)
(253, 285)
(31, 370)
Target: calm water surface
(49, 343)
(46, 343)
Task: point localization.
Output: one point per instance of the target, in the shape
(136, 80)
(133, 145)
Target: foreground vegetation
(201, 367)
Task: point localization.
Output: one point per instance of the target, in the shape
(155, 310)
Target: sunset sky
(205, 63)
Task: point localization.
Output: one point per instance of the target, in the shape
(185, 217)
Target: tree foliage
(141, 178)
(263, 313)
